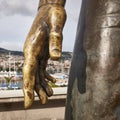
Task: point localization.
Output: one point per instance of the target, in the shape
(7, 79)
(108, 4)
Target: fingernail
(43, 99)
(55, 54)
(28, 104)
(54, 80)
(29, 97)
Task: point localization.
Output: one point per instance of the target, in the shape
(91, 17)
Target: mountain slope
(65, 55)
(5, 51)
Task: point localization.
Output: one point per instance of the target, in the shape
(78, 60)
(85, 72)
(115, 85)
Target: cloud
(11, 46)
(13, 31)
(18, 15)
(73, 9)
(22, 7)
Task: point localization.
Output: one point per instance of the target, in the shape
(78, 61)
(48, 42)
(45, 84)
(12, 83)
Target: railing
(19, 93)
(11, 106)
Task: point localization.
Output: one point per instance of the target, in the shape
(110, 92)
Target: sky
(16, 17)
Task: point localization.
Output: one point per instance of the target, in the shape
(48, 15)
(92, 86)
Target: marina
(11, 70)
(13, 80)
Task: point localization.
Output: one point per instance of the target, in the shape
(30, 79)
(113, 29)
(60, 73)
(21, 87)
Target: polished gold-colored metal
(43, 41)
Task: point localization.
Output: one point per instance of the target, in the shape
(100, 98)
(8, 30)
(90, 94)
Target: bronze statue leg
(101, 41)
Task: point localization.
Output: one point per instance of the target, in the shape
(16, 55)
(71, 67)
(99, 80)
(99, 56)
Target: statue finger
(57, 18)
(28, 81)
(47, 88)
(55, 46)
(41, 94)
(49, 77)
(33, 46)
(28, 94)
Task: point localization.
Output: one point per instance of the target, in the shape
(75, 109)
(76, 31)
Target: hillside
(65, 55)
(5, 51)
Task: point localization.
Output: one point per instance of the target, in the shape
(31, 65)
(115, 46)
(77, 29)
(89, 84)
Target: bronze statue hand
(43, 40)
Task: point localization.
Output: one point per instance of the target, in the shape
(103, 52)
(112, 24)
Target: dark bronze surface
(98, 37)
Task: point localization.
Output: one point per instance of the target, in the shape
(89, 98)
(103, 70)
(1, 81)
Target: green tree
(1, 68)
(8, 79)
